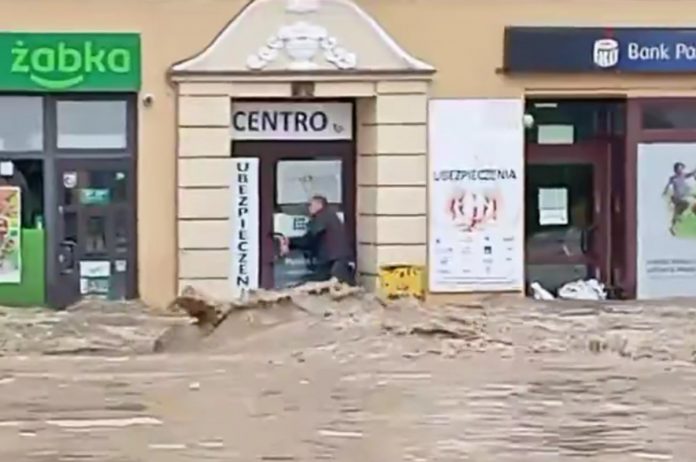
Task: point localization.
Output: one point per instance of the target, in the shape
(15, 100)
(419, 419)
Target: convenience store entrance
(96, 230)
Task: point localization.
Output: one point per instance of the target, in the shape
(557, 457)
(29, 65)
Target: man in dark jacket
(326, 240)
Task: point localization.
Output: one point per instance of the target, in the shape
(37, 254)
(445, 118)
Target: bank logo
(606, 53)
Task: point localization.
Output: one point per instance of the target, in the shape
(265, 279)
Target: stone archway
(269, 46)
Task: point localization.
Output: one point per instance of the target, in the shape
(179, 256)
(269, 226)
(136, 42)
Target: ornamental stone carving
(302, 42)
(302, 6)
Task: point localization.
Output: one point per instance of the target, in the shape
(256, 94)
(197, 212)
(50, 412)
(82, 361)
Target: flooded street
(531, 383)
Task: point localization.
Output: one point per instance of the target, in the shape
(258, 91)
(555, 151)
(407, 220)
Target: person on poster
(681, 197)
(326, 240)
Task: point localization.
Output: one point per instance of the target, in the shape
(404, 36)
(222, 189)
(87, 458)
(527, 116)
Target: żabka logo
(606, 53)
(43, 65)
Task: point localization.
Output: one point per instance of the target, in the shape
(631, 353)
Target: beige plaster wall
(462, 39)
(392, 177)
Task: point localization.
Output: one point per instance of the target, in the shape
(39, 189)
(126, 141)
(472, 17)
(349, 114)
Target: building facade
(156, 145)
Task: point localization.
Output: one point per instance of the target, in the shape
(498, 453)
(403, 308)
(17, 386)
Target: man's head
(679, 168)
(316, 204)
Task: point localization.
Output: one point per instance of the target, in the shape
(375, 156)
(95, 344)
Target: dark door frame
(268, 153)
(52, 154)
(598, 154)
(636, 134)
(62, 296)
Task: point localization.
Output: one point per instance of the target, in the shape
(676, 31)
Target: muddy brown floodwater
(555, 382)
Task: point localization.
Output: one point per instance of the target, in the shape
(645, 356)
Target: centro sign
(69, 62)
(292, 121)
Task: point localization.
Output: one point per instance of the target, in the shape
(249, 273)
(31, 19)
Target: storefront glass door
(296, 181)
(96, 230)
(290, 174)
(566, 219)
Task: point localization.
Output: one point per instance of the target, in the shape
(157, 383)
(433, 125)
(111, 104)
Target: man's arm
(305, 242)
(669, 183)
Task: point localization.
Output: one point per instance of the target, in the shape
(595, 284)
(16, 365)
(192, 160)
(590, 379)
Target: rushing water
(549, 383)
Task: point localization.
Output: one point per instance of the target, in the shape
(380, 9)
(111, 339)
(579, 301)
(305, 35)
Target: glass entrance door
(296, 181)
(566, 217)
(290, 174)
(95, 252)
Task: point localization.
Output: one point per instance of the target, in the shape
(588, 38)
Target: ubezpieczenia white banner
(244, 218)
(476, 195)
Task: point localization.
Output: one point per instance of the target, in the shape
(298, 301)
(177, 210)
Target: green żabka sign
(55, 62)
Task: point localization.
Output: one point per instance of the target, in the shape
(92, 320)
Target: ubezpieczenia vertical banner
(10, 235)
(476, 195)
(244, 219)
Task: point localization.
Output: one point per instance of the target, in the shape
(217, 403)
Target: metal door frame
(90, 164)
(52, 156)
(598, 154)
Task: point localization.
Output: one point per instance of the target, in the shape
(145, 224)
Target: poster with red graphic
(476, 199)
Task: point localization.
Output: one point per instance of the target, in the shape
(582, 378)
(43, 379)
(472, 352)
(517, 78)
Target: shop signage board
(666, 254)
(10, 235)
(55, 62)
(600, 49)
(476, 195)
(244, 218)
(292, 121)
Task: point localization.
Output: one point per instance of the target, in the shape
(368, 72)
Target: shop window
(21, 123)
(92, 124)
(669, 117)
(26, 174)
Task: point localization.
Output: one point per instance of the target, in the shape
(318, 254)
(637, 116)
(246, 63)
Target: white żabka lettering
(244, 218)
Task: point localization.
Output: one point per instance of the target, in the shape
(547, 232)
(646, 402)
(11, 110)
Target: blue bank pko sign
(583, 49)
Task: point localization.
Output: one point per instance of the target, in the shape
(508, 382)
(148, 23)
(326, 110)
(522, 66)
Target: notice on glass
(555, 134)
(476, 202)
(553, 206)
(666, 257)
(299, 180)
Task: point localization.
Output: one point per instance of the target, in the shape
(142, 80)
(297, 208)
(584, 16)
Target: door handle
(586, 239)
(617, 205)
(66, 256)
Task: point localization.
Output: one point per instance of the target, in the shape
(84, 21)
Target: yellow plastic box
(402, 281)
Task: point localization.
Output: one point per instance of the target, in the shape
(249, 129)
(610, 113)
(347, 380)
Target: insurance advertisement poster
(666, 263)
(476, 195)
(244, 219)
(10, 235)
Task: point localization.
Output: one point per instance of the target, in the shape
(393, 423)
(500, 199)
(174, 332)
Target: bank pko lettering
(244, 217)
(553, 49)
(292, 121)
(55, 62)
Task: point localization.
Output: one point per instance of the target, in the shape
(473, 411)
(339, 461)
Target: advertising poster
(666, 263)
(10, 235)
(476, 195)
(244, 218)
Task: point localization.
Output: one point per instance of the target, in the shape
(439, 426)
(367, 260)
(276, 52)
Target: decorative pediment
(302, 36)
